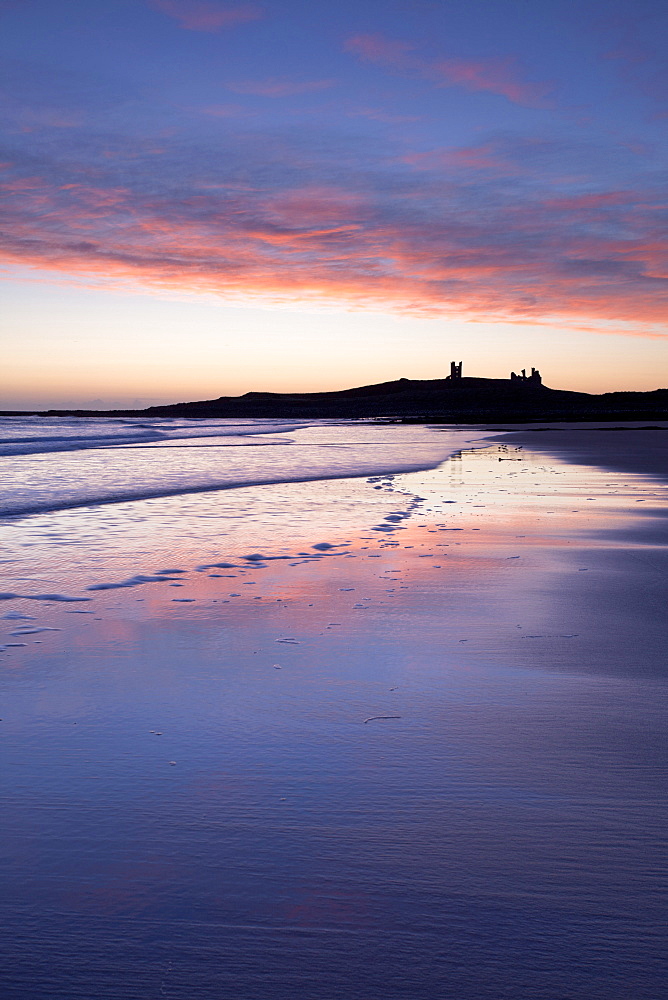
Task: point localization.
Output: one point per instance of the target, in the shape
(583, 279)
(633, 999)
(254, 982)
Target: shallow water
(60, 463)
(198, 808)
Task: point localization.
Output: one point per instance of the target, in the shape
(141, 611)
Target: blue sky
(295, 195)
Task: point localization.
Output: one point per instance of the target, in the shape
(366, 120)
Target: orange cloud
(450, 242)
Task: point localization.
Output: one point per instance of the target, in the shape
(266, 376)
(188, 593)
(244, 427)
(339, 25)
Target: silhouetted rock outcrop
(458, 400)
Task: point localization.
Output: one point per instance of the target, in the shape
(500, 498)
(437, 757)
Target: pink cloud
(224, 111)
(201, 15)
(315, 206)
(382, 51)
(587, 202)
(483, 157)
(378, 115)
(501, 76)
(279, 87)
(497, 76)
(641, 61)
(441, 244)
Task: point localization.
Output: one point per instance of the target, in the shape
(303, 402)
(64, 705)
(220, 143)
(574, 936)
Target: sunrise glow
(205, 198)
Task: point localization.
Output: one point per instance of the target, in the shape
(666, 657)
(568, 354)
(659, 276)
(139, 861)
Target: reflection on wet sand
(185, 819)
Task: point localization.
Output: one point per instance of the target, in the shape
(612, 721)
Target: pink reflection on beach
(458, 712)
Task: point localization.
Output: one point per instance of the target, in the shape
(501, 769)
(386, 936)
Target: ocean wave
(40, 435)
(93, 498)
(74, 477)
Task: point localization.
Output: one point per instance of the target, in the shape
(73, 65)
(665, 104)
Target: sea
(329, 710)
(65, 462)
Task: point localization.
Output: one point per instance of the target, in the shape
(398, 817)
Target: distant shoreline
(460, 401)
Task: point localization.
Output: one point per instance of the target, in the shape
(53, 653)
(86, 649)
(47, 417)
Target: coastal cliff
(463, 400)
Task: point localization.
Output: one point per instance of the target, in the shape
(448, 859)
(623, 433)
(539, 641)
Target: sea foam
(67, 463)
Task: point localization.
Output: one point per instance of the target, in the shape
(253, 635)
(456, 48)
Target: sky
(203, 198)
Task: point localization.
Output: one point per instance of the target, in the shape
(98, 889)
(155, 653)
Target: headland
(456, 399)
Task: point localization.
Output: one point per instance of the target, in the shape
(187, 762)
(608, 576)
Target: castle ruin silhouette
(533, 379)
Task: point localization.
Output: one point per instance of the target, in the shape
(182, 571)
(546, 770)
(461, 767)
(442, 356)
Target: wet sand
(415, 750)
(628, 447)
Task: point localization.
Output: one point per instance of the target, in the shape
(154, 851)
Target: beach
(333, 710)
(629, 447)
